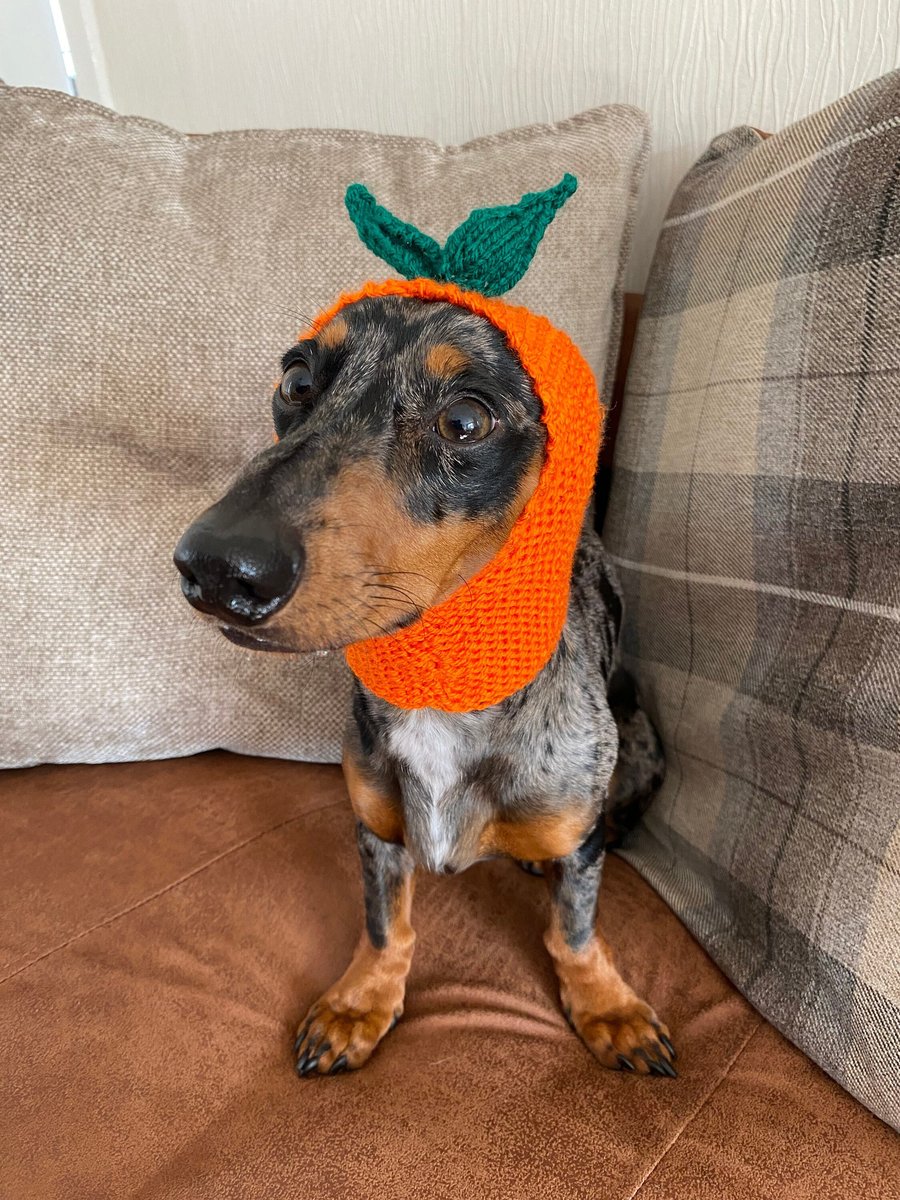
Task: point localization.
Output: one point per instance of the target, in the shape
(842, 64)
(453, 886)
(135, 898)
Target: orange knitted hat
(493, 635)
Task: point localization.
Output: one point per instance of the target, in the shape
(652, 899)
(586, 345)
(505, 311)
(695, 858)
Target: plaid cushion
(755, 520)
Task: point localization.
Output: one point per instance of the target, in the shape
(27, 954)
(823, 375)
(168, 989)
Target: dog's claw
(668, 1045)
(303, 1061)
(307, 1063)
(657, 1066)
(309, 1057)
(339, 1065)
(625, 1063)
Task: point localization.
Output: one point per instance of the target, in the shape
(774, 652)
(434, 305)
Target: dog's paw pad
(333, 1039)
(628, 1039)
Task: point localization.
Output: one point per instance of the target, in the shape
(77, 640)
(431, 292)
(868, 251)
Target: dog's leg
(345, 1025)
(620, 1029)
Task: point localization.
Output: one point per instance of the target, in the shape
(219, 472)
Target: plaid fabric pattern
(755, 520)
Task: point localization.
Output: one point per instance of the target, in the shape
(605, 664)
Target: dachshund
(409, 441)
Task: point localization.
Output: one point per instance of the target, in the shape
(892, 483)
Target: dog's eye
(296, 383)
(465, 420)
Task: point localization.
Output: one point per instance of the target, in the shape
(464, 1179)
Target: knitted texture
(494, 634)
(488, 253)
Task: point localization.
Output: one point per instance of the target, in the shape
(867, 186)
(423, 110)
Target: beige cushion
(150, 282)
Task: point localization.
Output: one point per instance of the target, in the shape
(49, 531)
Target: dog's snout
(242, 568)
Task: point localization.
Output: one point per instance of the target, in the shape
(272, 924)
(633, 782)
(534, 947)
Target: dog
(409, 441)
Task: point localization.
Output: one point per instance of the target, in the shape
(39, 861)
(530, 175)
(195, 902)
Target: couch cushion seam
(691, 1118)
(198, 870)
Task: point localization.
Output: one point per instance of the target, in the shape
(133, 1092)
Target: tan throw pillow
(755, 518)
(150, 282)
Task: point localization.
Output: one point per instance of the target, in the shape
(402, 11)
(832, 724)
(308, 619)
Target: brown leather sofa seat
(165, 924)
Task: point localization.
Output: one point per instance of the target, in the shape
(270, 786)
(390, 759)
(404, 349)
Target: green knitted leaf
(488, 253)
(492, 249)
(402, 246)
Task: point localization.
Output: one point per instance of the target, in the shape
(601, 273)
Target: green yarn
(493, 248)
(404, 247)
(488, 253)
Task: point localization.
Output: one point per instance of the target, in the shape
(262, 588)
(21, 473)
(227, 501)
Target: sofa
(167, 921)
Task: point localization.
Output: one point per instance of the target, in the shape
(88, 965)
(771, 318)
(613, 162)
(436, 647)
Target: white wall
(30, 53)
(454, 69)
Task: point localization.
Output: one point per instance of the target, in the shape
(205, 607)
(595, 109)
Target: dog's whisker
(415, 574)
(391, 600)
(420, 610)
(384, 629)
(418, 607)
(302, 319)
(343, 526)
(381, 630)
(354, 611)
(393, 587)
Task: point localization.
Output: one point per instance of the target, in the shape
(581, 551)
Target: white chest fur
(437, 748)
(429, 743)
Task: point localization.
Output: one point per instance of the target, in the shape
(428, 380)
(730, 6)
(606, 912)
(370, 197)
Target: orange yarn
(491, 637)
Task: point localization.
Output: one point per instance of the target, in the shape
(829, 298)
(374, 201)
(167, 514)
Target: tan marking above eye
(445, 360)
(334, 334)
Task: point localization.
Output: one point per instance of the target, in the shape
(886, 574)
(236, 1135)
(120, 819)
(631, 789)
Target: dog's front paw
(333, 1038)
(628, 1038)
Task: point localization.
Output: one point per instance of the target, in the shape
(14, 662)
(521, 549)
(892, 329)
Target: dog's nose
(240, 567)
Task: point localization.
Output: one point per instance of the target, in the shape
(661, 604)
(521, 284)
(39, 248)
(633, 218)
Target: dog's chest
(438, 752)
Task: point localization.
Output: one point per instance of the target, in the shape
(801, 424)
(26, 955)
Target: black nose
(239, 566)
